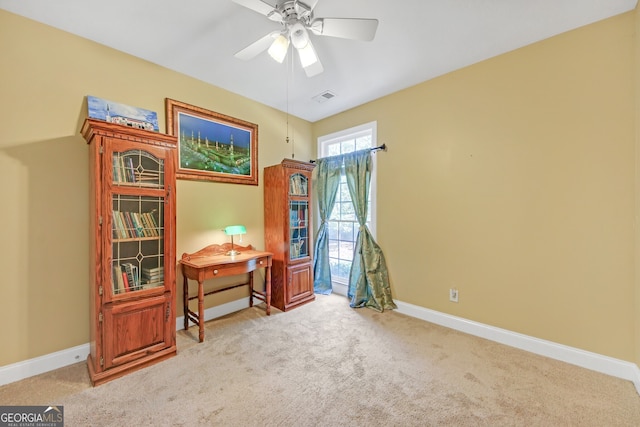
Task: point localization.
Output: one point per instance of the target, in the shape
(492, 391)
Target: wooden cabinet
(288, 232)
(132, 250)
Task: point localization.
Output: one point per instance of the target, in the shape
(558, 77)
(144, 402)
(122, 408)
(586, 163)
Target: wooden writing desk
(212, 262)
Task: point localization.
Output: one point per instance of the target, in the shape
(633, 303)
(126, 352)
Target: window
(343, 226)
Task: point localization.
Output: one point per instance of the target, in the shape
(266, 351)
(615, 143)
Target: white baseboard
(340, 289)
(218, 311)
(39, 365)
(593, 361)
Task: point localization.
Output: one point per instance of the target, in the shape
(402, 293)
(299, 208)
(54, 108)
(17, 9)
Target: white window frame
(340, 286)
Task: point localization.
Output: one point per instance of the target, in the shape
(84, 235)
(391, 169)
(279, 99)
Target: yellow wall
(517, 179)
(636, 333)
(44, 79)
(518, 174)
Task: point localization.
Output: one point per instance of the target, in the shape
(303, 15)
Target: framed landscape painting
(213, 146)
(126, 115)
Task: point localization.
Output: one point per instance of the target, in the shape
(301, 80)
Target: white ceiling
(416, 40)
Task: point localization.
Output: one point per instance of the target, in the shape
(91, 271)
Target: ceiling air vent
(324, 96)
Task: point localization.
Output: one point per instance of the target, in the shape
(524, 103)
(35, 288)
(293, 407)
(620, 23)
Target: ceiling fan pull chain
(289, 73)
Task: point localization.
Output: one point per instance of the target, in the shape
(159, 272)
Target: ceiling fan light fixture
(307, 55)
(279, 47)
(297, 19)
(299, 36)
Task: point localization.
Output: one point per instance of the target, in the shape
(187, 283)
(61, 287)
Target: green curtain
(368, 278)
(327, 182)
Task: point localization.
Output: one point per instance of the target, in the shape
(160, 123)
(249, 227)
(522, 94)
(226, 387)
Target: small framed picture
(125, 115)
(213, 146)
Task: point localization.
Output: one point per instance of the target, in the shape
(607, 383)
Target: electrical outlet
(453, 295)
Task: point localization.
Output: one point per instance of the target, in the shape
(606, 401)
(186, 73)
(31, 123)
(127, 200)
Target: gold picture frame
(213, 146)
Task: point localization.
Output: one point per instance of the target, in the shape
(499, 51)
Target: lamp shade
(307, 55)
(299, 36)
(279, 47)
(234, 230)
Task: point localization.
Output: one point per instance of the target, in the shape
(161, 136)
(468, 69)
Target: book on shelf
(131, 174)
(297, 249)
(298, 185)
(116, 170)
(152, 217)
(150, 285)
(124, 172)
(135, 217)
(147, 278)
(154, 223)
(139, 226)
(118, 281)
(148, 224)
(121, 224)
(152, 277)
(153, 271)
(117, 231)
(146, 231)
(125, 281)
(131, 229)
(121, 171)
(131, 273)
(128, 225)
(147, 176)
(154, 281)
(124, 227)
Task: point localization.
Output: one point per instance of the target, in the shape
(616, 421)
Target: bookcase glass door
(298, 185)
(298, 217)
(298, 229)
(137, 238)
(138, 168)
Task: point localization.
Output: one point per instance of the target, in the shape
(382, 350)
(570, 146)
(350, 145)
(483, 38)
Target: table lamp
(234, 230)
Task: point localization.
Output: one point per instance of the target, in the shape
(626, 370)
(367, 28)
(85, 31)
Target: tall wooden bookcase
(288, 228)
(132, 251)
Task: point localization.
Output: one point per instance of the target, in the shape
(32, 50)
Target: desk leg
(251, 289)
(200, 310)
(267, 288)
(185, 301)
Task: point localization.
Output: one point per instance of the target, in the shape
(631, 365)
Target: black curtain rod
(382, 147)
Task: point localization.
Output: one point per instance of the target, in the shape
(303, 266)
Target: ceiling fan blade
(346, 28)
(256, 5)
(305, 8)
(257, 47)
(311, 3)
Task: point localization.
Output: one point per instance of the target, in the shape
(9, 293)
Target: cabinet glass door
(138, 168)
(298, 185)
(298, 217)
(137, 223)
(298, 229)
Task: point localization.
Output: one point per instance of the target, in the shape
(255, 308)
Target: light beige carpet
(325, 364)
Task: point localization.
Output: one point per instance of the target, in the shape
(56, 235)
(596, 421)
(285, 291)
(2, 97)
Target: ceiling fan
(297, 21)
